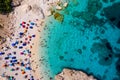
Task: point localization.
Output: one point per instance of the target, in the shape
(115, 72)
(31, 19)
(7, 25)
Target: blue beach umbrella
(14, 57)
(2, 53)
(33, 35)
(28, 68)
(32, 23)
(21, 33)
(16, 42)
(20, 47)
(24, 44)
(6, 58)
(31, 27)
(13, 44)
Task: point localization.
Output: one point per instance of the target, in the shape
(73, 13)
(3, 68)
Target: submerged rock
(68, 74)
(59, 17)
(118, 41)
(89, 14)
(104, 51)
(105, 1)
(113, 18)
(76, 14)
(75, 2)
(112, 0)
(94, 6)
(118, 67)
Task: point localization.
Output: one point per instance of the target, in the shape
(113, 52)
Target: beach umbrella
(24, 44)
(2, 53)
(12, 69)
(21, 53)
(23, 22)
(27, 24)
(31, 27)
(21, 33)
(6, 58)
(20, 47)
(23, 26)
(22, 64)
(23, 72)
(14, 52)
(32, 23)
(29, 36)
(33, 35)
(20, 24)
(30, 46)
(13, 44)
(16, 42)
(14, 57)
(28, 68)
(25, 30)
(13, 61)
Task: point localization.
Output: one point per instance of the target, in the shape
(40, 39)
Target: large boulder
(68, 74)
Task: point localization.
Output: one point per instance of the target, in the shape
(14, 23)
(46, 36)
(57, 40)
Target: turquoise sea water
(88, 39)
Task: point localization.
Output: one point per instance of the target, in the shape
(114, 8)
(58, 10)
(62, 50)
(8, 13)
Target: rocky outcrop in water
(68, 74)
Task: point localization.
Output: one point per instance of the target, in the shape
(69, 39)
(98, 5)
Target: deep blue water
(88, 39)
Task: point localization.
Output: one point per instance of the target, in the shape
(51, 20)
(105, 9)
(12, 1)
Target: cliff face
(68, 74)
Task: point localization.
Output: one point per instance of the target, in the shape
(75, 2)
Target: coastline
(22, 56)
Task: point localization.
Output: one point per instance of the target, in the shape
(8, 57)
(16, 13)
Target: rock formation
(68, 74)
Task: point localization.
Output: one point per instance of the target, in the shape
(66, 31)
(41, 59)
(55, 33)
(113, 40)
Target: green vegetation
(59, 17)
(5, 6)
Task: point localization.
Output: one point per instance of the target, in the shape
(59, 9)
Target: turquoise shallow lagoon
(88, 39)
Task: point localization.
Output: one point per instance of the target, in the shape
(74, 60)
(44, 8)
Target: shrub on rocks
(5, 6)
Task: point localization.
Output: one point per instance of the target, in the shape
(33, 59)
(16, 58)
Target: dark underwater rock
(118, 66)
(118, 41)
(112, 0)
(114, 18)
(79, 51)
(76, 14)
(118, 25)
(104, 53)
(108, 46)
(105, 1)
(89, 14)
(94, 6)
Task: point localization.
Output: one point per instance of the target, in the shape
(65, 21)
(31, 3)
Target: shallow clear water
(85, 41)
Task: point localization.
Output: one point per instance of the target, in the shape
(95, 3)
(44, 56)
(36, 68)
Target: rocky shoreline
(68, 74)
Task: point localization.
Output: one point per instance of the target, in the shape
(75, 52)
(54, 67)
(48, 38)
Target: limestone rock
(65, 4)
(16, 3)
(59, 17)
(58, 7)
(38, 11)
(68, 74)
(2, 40)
